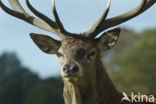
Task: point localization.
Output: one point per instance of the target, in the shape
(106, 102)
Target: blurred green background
(131, 66)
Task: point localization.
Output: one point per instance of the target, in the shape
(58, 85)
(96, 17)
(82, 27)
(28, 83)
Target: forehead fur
(74, 42)
(75, 47)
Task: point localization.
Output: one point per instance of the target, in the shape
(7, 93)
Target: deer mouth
(70, 76)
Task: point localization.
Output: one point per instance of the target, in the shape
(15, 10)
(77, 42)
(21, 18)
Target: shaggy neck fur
(97, 90)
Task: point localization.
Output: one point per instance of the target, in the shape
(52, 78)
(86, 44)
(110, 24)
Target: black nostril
(70, 69)
(74, 68)
(66, 68)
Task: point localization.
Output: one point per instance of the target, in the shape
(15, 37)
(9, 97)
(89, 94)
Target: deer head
(77, 56)
(78, 53)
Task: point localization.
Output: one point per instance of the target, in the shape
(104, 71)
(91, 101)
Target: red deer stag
(85, 78)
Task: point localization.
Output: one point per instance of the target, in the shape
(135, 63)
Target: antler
(58, 22)
(57, 27)
(103, 23)
(19, 12)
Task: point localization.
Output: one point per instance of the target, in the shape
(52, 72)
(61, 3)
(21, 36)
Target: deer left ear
(108, 39)
(46, 43)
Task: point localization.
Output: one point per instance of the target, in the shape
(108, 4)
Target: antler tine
(16, 6)
(145, 4)
(61, 27)
(57, 19)
(95, 27)
(43, 17)
(20, 13)
(111, 22)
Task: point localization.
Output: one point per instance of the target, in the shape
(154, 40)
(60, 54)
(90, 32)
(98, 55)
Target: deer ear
(46, 43)
(108, 39)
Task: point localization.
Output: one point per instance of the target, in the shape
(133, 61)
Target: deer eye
(60, 55)
(91, 55)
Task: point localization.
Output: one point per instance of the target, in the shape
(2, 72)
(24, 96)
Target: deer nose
(70, 69)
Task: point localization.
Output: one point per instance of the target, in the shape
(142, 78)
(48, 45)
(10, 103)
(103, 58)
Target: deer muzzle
(70, 70)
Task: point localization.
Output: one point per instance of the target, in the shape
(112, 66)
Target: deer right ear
(46, 43)
(108, 39)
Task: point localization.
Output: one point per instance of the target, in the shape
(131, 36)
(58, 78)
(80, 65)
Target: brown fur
(96, 87)
(99, 91)
(90, 84)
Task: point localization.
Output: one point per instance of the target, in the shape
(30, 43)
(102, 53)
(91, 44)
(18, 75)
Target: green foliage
(46, 92)
(18, 85)
(9, 63)
(134, 68)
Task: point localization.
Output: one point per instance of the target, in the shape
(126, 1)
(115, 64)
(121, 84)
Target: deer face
(78, 57)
